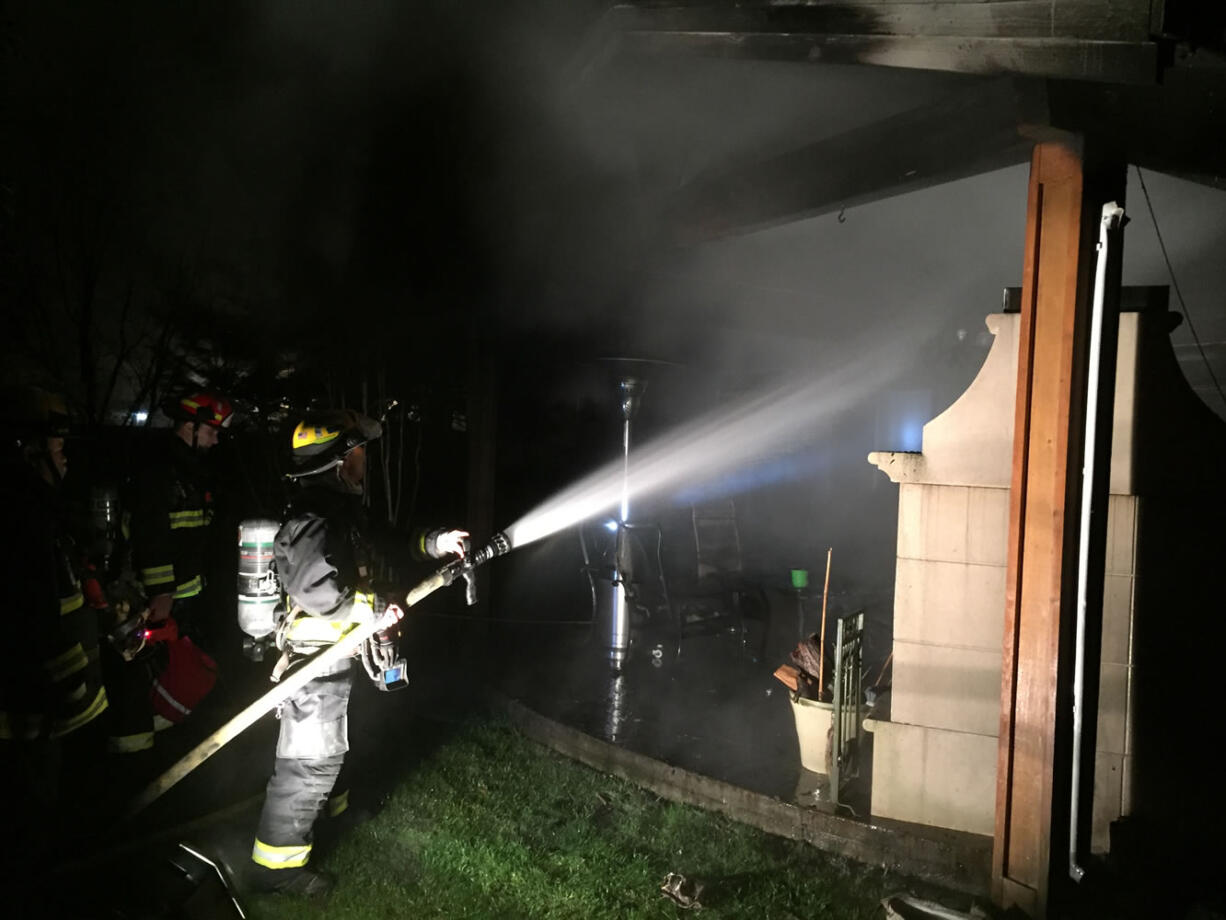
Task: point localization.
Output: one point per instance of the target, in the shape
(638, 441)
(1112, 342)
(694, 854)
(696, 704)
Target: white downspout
(1112, 216)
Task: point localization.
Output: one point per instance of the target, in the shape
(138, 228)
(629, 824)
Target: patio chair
(709, 587)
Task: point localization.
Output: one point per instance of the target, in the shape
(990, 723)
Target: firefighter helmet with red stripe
(203, 408)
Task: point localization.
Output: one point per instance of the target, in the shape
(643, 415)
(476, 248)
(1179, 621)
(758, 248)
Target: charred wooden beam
(984, 128)
(1115, 62)
(1199, 24)
(1105, 40)
(1178, 127)
(1098, 20)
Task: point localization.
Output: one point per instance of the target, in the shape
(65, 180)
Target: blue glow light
(911, 435)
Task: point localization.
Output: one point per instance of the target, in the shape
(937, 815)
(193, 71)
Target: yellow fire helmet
(27, 411)
(322, 438)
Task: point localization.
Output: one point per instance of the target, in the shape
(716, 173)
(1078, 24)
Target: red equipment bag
(189, 677)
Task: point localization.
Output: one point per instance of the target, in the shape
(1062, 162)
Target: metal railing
(848, 714)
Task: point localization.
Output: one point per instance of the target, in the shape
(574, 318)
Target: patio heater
(615, 714)
(614, 621)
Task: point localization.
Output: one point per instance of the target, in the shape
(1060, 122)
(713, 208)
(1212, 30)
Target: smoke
(754, 428)
(797, 292)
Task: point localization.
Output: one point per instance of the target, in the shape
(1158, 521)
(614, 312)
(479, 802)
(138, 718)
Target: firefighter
(51, 690)
(323, 558)
(171, 509)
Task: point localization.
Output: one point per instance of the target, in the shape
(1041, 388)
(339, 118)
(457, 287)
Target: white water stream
(713, 445)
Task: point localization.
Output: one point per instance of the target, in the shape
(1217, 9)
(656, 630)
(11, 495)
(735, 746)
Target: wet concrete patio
(711, 725)
(715, 709)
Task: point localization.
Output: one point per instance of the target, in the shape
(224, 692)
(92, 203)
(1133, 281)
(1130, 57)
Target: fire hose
(317, 664)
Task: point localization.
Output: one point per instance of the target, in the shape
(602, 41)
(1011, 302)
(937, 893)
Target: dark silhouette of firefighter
(171, 508)
(323, 559)
(51, 690)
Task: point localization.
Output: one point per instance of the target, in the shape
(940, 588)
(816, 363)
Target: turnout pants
(129, 683)
(310, 751)
(127, 687)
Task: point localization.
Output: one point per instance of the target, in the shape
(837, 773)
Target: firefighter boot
(338, 819)
(302, 882)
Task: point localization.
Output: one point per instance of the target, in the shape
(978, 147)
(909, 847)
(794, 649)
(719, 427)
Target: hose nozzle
(499, 545)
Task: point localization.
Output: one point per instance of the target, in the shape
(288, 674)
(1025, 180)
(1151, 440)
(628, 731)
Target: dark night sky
(403, 165)
(367, 182)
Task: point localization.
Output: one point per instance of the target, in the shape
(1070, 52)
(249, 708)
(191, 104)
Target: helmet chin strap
(336, 482)
(315, 471)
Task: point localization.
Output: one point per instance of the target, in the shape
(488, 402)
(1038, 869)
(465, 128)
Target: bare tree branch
(122, 353)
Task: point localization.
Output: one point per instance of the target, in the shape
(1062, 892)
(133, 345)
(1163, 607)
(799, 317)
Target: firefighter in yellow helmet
(51, 692)
(323, 559)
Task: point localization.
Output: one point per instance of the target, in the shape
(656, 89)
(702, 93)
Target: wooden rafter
(985, 127)
(1107, 40)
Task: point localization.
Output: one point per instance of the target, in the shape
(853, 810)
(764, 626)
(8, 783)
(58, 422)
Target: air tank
(104, 516)
(259, 590)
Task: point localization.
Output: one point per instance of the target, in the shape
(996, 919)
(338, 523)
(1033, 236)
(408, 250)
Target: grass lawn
(493, 825)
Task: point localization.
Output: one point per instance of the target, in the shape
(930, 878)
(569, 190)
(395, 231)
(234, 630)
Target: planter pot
(814, 732)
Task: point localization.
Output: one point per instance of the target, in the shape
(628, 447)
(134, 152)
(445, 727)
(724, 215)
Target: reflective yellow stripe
(96, 708)
(313, 629)
(158, 575)
(363, 607)
(189, 588)
(306, 628)
(181, 519)
(280, 857)
(69, 604)
(66, 663)
(130, 744)
(338, 804)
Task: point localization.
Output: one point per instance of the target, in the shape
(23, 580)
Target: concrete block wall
(1115, 691)
(948, 597)
(934, 761)
(933, 776)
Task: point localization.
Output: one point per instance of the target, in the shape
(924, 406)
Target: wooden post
(1032, 789)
